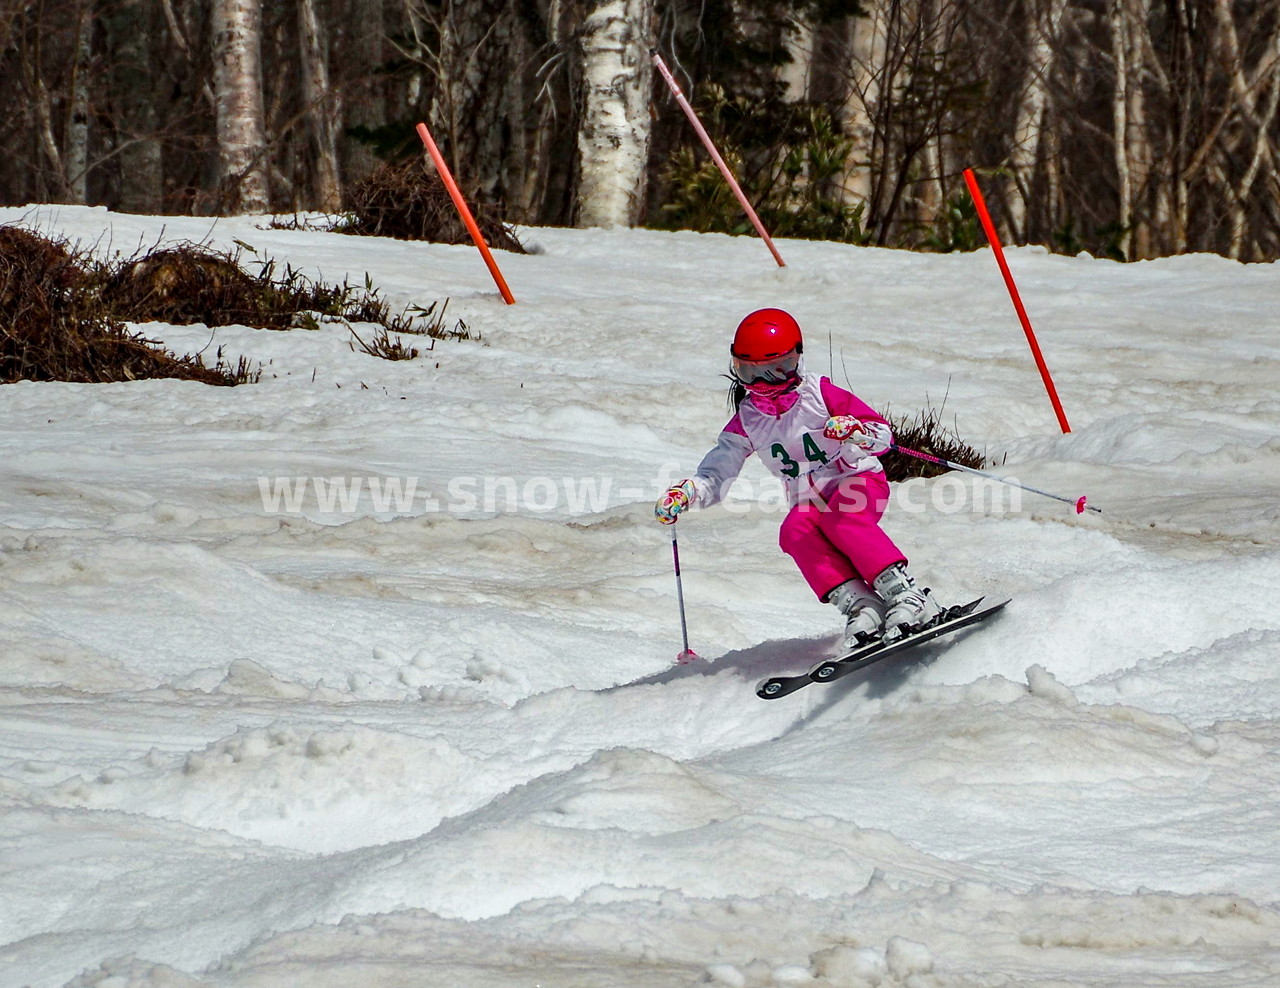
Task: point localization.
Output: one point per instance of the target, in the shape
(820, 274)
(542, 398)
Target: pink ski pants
(836, 539)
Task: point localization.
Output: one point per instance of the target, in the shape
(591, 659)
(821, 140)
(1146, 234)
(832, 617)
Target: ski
(953, 619)
(780, 686)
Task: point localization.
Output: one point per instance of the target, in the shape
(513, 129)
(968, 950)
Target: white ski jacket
(788, 436)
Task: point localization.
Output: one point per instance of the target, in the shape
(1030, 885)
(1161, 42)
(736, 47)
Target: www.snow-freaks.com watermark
(405, 495)
(353, 495)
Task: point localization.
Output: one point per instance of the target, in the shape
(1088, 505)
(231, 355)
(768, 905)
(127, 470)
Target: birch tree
(1257, 118)
(321, 108)
(241, 132)
(78, 111)
(1044, 21)
(613, 136)
(870, 43)
(1132, 153)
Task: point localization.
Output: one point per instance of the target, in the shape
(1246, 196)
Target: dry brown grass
(190, 283)
(408, 201)
(63, 314)
(55, 327)
(925, 433)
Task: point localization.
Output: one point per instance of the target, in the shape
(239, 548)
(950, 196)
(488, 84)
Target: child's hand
(843, 427)
(677, 498)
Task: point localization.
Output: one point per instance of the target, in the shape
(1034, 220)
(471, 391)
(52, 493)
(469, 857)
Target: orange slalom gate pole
(994, 240)
(465, 213)
(715, 156)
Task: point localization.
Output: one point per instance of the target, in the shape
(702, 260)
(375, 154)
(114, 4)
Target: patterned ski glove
(677, 498)
(842, 427)
(847, 428)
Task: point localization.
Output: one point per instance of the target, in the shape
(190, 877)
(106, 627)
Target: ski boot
(909, 608)
(863, 611)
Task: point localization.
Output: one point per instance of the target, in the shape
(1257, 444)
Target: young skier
(822, 442)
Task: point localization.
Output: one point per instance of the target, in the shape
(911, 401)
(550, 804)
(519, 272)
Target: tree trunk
(1181, 79)
(133, 107)
(1120, 59)
(613, 139)
(78, 115)
(1044, 21)
(796, 74)
(1138, 138)
(42, 110)
(472, 100)
(1259, 119)
(861, 111)
(551, 177)
(823, 63)
(321, 108)
(939, 22)
(242, 141)
(1262, 145)
(365, 104)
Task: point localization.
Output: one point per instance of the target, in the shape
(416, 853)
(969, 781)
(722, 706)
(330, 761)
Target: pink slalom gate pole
(467, 219)
(715, 155)
(994, 239)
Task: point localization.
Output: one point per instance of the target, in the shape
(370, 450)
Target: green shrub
(956, 228)
(794, 179)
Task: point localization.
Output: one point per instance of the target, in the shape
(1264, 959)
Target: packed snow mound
(1236, 679)
(317, 790)
(949, 935)
(1172, 605)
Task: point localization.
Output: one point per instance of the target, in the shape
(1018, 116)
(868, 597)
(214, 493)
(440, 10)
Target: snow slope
(441, 740)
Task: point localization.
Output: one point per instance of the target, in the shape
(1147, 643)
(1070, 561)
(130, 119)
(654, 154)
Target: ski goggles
(775, 370)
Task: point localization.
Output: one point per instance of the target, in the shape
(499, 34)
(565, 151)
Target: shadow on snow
(782, 656)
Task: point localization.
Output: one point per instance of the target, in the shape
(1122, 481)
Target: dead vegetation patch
(926, 433)
(190, 283)
(54, 327)
(429, 323)
(408, 201)
(182, 285)
(434, 324)
(63, 314)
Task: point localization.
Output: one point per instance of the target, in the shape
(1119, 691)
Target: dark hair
(737, 393)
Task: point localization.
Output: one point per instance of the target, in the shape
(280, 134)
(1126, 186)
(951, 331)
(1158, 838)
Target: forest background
(1128, 128)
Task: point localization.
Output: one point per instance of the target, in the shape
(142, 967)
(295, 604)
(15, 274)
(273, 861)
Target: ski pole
(1079, 502)
(688, 655)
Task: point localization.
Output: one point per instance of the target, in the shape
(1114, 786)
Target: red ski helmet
(766, 348)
